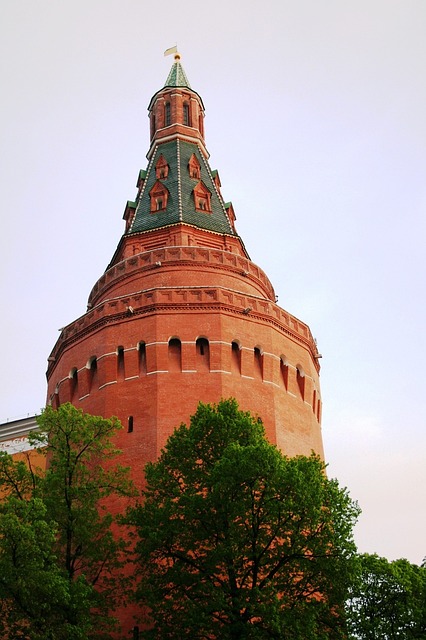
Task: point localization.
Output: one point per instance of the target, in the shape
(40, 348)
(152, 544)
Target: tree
(59, 560)
(388, 601)
(235, 540)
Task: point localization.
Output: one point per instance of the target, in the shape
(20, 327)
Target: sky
(315, 120)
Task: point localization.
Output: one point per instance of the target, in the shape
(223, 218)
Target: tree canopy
(388, 601)
(59, 561)
(235, 540)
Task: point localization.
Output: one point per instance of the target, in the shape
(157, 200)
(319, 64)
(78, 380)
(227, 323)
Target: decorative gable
(159, 195)
(216, 179)
(194, 167)
(231, 214)
(129, 213)
(161, 168)
(202, 198)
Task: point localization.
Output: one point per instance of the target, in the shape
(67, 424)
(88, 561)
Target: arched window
(120, 363)
(73, 378)
(55, 399)
(186, 115)
(203, 354)
(236, 358)
(284, 372)
(152, 122)
(92, 367)
(142, 358)
(175, 355)
(300, 377)
(167, 115)
(258, 363)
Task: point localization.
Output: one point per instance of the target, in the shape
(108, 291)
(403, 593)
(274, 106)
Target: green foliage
(237, 541)
(59, 562)
(388, 602)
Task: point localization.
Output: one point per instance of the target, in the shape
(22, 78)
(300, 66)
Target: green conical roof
(181, 206)
(177, 76)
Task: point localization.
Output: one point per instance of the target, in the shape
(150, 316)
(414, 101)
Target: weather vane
(174, 50)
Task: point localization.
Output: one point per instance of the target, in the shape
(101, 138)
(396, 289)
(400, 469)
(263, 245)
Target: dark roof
(180, 186)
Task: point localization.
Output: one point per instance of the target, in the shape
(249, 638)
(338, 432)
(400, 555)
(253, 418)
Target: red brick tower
(182, 314)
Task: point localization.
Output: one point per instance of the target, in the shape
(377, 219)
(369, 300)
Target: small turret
(176, 110)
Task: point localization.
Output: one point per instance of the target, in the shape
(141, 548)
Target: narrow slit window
(130, 424)
(142, 358)
(186, 114)
(300, 376)
(120, 363)
(168, 115)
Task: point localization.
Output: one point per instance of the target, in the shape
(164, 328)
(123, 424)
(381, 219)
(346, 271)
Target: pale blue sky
(315, 119)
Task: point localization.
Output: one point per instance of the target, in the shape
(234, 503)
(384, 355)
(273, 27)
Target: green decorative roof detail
(180, 198)
(177, 76)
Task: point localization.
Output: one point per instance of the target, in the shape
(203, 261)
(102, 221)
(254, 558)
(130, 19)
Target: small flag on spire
(168, 52)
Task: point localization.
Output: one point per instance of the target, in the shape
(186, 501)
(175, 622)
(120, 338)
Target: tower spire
(178, 188)
(177, 76)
